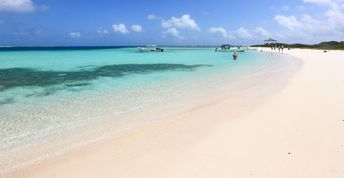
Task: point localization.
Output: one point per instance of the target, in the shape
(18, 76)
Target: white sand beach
(297, 132)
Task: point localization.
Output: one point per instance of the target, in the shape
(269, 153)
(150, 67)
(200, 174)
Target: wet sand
(296, 132)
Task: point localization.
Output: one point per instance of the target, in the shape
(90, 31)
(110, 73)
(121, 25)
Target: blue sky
(168, 22)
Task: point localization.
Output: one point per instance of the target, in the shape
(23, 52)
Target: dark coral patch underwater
(26, 77)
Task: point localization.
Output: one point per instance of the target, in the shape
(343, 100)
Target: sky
(168, 22)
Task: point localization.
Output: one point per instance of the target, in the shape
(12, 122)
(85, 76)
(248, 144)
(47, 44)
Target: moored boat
(150, 48)
(229, 48)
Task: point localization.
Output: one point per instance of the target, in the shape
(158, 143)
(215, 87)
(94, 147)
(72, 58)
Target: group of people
(280, 47)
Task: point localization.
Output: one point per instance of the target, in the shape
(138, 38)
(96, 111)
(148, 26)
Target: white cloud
(120, 28)
(136, 28)
(185, 21)
(17, 6)
(328, 26)
(75, 35)
(102, 31)
(242, 32)
(279, 9)
(321, 2)
(289, 22)
(305, 24)
(153, 17)
(259, 31)
(173, 32)
(20, 6)
(219, 31)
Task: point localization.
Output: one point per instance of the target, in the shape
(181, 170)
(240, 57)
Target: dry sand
(296, 133)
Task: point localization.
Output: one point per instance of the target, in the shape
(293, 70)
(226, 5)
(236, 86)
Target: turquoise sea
(53, 101)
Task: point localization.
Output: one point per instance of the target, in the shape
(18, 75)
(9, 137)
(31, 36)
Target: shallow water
(49, 97)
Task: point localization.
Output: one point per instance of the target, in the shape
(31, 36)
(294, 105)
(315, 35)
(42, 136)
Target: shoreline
(215, 85)
(195, 144)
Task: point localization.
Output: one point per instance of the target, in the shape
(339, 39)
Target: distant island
(334, 45)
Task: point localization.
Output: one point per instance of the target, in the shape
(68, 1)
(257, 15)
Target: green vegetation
(327, 45)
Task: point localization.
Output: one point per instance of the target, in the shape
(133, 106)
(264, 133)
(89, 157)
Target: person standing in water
(235, 56)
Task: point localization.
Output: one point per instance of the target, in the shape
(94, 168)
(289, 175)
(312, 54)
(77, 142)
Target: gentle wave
(37, 127)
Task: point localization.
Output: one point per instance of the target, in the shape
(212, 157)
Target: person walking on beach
(282, 47)
(235, 56)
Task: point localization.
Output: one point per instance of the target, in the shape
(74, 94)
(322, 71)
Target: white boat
(150, 48)
(229, 48)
